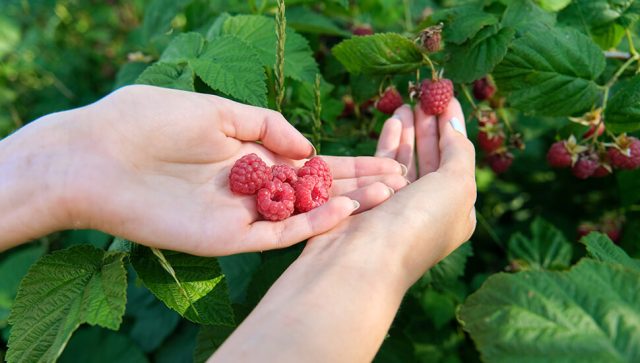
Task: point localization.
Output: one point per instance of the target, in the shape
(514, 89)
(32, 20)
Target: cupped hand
(155, 164)
(423, 222)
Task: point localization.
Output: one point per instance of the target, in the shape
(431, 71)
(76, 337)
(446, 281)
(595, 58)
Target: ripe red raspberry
(310, 192)
(249, 174)
(500, 161)
(389, 101)
(586, 165)
(317, 167)
(276, 200)
(601, 172)
(435, 95)
(362, 30)
(483, 89)
(627, 153)
(284, 173)
(558, 156)
(490, 140)
(585, 228)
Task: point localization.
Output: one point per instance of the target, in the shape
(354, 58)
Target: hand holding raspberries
(280, 190)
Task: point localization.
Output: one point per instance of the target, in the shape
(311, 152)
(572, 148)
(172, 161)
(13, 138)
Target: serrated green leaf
(60, 292)
(553, 5)
(462, 23)
(158, 15)
(229, 65)
(601, 248)
(259, 32)
(600, 13)
(238, 270)
(379, 54)
(305, 20)
(546, 249)
(12, 269)
(608, 37)
(623, 109)
(450, 268)
(128, 74)
(168, 75)
(478, 56)
(183, 48)
(209, 339)
(524, 13)
(551, 71)
(590, 313)
(96, 345)
(201, 295)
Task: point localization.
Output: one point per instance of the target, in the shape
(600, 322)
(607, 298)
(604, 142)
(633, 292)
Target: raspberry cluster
(610, 224)
(493, 140)
(280, 190)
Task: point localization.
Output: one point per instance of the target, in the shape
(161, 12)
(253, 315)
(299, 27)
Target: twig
(281, 36)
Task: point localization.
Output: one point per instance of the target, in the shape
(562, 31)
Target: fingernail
(391, 191)
(403, 170)
(314, 152)
(458, 126)
(408, 181)
(396, 116)
(356, 205)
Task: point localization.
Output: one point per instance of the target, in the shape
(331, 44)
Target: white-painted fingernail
(356, 205)
(396, 116)
(314, 152)
(391, 192)
(458, 125)
(403, 170)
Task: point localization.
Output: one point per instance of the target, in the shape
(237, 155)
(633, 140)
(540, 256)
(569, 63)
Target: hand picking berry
(249, 174)
(389, 101)
(435, 95)
(311, 193)
(318, 167)
(276, 200)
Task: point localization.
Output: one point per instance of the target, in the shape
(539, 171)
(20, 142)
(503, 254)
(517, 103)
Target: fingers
(456, 151)
(389, 139)
(343, 167)
(406, 149)
(249, 123)
(371, 195)
(426, 142)
(265, 235)
(343, 186)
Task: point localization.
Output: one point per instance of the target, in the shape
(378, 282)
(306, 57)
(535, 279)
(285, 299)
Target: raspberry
(500, 161)
(284, 173)
(310, 193)
(627, 153)
(435, 95)
(586, 165)
(249, 174)
(389, 101)
(317, 167)
(431, 38)
(276, 200)
(601, 172)
(558, 156)
(585, 228)
(599, 128)
(362, 30)
(483, 89)
(490, 139)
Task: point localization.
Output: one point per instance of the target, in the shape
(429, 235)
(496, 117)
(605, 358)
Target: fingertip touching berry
(558, 156)
(626, 154)
(390, 100)
(284, 173)
(500, 161)
(435, 95)
(248, 175)
(483, 89)
(310, 193)
(317, 167)
(276, 200)
(586, 165)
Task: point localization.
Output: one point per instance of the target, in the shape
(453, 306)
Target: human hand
(151, 165)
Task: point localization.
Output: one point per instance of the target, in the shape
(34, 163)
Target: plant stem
(407, 15)
(615, 77)
(281, 36)
(317, 114)
(427, 60)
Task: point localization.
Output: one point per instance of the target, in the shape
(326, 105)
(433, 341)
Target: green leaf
(239, 269)
(623, 109)
(209, 339)
(305, 20)
(450, 268)
(587, 314)
(200, 293)
(523, 14)
(551, 71)
(229, 65)
(464, 22)
(553, 5)
(168, 75)
(268, 272)
(158, 15)
(601, 248)
(440, 307)
(478, 56)
(183, 48)
(179, 347)
(128, 74)
(379, 54)
(629, 186)
(546, 249)
(12, 269)
(9, 35)
(608, 37)
(259, 32)
(96, 345)
(62, 290)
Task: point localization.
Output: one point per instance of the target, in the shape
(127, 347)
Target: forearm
(317, 311)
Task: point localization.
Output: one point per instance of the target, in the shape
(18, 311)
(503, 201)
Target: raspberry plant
(551, 90)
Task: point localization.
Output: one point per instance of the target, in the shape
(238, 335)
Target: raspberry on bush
(249, 174)
(389, 101)
(435, 95)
